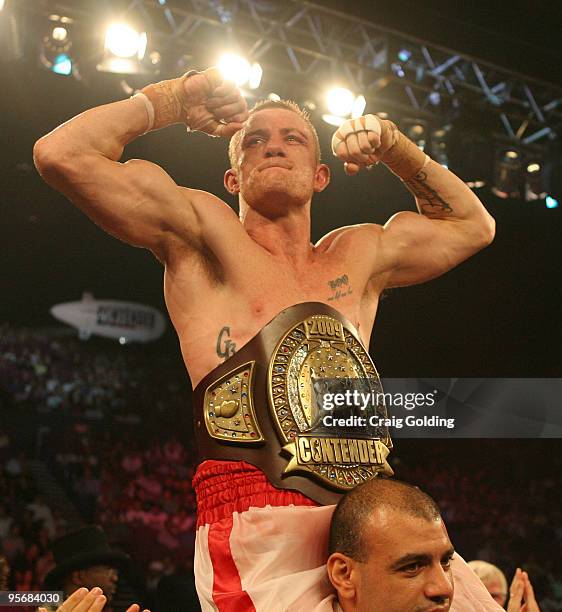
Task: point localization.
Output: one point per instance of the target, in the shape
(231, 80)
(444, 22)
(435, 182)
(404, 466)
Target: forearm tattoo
(225, 347)
(340, 287)
(429, 201)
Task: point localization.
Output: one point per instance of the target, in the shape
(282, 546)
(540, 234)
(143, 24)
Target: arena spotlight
(358, 108)
(340, 101)
(535, 186)
(256, 73)
(56, 47)
(552, 171)
(124, 41)
(236, 68)
(404, 55)
(124, 50)
(155, 58)
(62, 65)
(508, 175)
(343, 104)
(398, 70)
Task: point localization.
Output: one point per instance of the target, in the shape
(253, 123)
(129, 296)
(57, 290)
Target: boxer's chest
(233, 315)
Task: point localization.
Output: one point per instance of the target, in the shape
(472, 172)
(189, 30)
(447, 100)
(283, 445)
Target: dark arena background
(92, 430)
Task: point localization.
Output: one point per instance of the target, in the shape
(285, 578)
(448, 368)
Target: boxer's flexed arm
(452, 224)
(137, 201)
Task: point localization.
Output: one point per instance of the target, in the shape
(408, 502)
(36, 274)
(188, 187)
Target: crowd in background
(27, 524)
(113, 429)
(58, 374)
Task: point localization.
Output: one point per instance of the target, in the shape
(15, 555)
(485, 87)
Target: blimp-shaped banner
(124, 321)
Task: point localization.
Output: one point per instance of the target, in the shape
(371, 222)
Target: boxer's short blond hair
(235, 141)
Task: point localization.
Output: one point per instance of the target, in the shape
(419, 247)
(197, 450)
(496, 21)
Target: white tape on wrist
(149, 109)
(366, 123)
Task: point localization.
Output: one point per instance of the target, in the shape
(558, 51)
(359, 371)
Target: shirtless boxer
(242, 290)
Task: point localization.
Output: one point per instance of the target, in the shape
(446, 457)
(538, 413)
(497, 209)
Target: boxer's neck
(285, 237)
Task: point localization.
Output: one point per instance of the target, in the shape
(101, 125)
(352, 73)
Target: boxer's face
(407, 568)
(277, 162)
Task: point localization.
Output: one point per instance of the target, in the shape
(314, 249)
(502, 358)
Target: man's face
(277, 162)
(408, 567)
(496, 590)
(102, 576)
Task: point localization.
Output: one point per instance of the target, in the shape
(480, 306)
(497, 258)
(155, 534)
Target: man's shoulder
(342, 235)
(207, 201)
(214, 216)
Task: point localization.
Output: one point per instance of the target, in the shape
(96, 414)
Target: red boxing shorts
(263, 549)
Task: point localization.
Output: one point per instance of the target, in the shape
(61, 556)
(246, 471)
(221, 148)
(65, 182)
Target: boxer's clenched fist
(213, 105)
(363, 141)
(204, 101)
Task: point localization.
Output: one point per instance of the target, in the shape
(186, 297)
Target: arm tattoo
(430, 202)
(225, 347)
(340, 286)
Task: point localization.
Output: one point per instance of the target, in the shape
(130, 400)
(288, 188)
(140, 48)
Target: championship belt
(264, 406)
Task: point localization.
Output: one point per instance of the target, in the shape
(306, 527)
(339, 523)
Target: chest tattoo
(340, 287)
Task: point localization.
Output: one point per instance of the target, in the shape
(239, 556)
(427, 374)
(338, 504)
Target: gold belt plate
(321, 347)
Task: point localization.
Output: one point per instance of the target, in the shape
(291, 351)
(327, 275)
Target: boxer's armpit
(429, 201)
(225, 347)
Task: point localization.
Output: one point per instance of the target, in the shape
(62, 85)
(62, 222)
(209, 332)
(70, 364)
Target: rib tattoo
(225, 346)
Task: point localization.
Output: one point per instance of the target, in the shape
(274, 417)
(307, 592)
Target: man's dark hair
(352, 514)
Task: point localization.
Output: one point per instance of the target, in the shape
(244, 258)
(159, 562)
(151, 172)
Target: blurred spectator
(41, 513)
(493, 579)
(83, 558)
(5, 521)
(13, 544)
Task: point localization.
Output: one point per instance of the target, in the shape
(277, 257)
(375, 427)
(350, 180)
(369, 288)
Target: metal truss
(310, 46)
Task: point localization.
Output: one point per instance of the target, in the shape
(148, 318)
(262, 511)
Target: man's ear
(342, 576)
(231, 182)
(321, 178)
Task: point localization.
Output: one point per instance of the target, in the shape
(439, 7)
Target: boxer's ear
(231, 182)
(340, 570)
(321, 177)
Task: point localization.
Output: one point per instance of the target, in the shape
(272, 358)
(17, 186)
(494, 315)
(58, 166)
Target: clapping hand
(84, 600)
(521, 594)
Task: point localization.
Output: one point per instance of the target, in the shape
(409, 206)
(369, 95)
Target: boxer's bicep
(417, 249)
(135, 201)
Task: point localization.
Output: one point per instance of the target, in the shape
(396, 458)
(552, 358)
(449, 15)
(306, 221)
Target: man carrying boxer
(388, 543)
(252, 302)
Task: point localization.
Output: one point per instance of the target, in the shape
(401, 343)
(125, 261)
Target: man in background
(84, 559)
